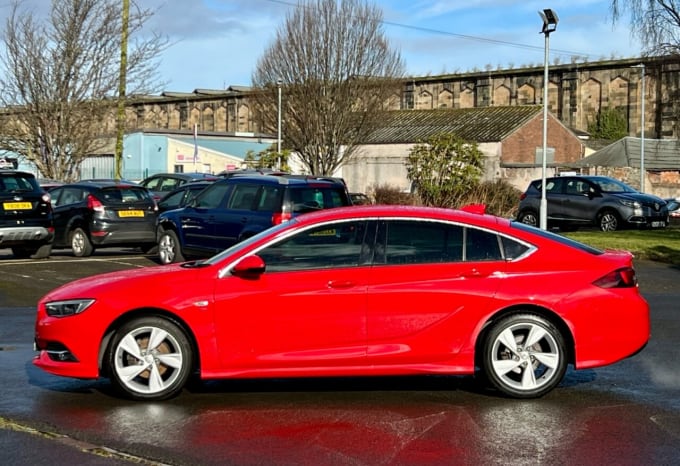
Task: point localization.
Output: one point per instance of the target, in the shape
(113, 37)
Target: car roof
(104, 183)
(184, 176)
(284, 179)
(5, 171)
(403, 211)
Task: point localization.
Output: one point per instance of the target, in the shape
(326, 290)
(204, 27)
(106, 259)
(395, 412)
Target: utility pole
(122, 78)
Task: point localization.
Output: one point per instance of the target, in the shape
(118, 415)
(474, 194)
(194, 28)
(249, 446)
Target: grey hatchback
(582, 200)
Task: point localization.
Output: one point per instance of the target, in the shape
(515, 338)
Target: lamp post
(278, 125)
(550, 19)
(642, 126)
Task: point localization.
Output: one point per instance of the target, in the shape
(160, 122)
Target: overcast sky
(216, 43)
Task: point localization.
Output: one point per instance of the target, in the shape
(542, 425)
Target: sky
(215, 44)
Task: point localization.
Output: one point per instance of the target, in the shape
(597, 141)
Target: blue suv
(238, 207)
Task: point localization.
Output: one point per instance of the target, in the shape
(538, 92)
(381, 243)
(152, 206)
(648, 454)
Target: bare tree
(59, 78)
(337, 71)
(655, 22)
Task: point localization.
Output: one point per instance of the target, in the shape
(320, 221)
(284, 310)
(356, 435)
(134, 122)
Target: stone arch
(445, 99)
(526, 95)
(243, 118)
(221, 118)
(425, 101)
(619, 95)
(501, 96)
(208, 119)
(467, 98)
(591, 101)
(553, 97)
(173, 117)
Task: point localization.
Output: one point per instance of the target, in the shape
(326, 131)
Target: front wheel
(524, 356)
(150, 358)
(169, 249)
(608, 221)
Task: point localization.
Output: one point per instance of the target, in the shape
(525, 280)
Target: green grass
(659, 245)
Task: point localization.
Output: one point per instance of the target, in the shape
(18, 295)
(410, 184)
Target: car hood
(149, 281)
(646, 199)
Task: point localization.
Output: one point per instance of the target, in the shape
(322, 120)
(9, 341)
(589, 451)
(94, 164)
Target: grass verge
(659, 245)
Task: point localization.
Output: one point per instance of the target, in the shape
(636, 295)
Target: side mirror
(250, 267)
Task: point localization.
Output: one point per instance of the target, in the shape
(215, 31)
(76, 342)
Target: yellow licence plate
(131, 213)
(17, 205)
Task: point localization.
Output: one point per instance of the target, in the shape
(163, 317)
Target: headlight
(629, 203)
(67, 308)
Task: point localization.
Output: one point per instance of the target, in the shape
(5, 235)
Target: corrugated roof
(660, 154)
(485, 124)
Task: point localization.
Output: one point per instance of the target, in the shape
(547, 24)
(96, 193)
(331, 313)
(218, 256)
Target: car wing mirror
(250, 267)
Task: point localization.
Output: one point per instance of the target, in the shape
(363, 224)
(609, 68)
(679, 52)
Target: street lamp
(642, 126)
(278, 125)
(550, 19)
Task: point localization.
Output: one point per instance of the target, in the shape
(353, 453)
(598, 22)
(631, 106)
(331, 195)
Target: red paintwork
(373, 320)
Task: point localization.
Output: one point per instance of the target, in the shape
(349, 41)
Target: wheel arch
(540, 311)
(105, 343)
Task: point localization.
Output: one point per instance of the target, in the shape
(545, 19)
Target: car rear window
(17, 183)
(124, 194)
(315, 198)
(558, 238)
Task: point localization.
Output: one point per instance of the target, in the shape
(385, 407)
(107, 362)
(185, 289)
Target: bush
(386, 194)
(500, 197)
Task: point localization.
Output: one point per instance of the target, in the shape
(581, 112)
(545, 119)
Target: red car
(355, 291)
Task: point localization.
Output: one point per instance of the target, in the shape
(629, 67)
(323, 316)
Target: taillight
(522, 196)
(95, 204)
(621, 278)
(280, 217)
(46, 198)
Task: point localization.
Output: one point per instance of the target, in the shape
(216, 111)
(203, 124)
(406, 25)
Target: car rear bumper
(22, 235)
(114, 234)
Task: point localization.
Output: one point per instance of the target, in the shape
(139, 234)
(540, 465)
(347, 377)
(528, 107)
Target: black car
(607, 203)
(25, 215)
(103, 213)
(238, 207)
(181, 196)
(161, 184)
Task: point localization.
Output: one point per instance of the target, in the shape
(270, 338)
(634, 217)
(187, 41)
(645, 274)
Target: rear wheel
(169, 249)
(608, 220)
(80, 243)
(524, 356)
(529, 217)
(150, 358)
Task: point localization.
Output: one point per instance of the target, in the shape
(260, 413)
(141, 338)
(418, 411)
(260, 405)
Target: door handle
(340, 284)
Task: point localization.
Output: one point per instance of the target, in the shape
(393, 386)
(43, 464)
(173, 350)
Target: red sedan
(364, 290)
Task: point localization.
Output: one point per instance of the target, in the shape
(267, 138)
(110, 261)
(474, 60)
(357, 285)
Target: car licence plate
(658, 224)
(17, 205)
(131, 213)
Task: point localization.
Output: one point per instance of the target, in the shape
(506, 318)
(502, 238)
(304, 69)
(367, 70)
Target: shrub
(386, 194)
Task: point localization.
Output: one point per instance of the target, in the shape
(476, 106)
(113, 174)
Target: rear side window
(242, 197)
(415, 242)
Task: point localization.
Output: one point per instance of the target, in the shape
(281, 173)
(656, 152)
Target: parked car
(181, 196)
(341, 292)
(48, 184)
(238, 207)
(162, 183)
(103, 213)
(26, 224)
(360, 199)
(607, 203)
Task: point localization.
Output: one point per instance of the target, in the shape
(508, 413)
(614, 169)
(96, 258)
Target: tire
(506, 358)
(528, 217)
(608, 220)
(150, 358)
(40, 252)
(169, 249)
(80, 243)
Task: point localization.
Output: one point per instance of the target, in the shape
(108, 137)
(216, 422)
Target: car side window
(212, 197)
(481, 245)
(152, 184)
(68, 196)
(242, 197)
(269, 199)
(418, 242)
(330, 246)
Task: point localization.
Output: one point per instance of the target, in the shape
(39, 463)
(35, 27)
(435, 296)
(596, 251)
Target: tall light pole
(278, 125)
(550, 19)
(642, 126)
